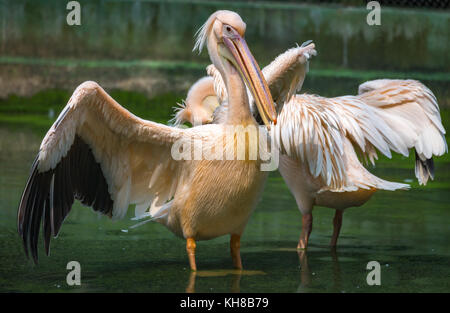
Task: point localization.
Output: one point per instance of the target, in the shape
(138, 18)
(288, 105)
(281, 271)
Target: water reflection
(235, 278)
(336, 269)
(305, 273)
(308, 279)
(306, 276)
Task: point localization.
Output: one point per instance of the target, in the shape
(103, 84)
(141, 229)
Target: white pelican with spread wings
(101, 154)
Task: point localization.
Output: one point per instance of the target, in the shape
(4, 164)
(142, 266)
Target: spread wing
(308, 130)
(104, 156)
(411, 111)
(391, 116)
(365, 128)
(313, 129)
(285, 75)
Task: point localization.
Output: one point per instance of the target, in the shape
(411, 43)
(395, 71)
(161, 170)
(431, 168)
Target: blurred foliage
(442, 4)
(406, 40)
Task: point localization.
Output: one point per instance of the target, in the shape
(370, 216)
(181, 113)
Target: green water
(407, 232)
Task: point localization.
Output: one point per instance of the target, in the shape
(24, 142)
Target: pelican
(104, 156)
(319, 137)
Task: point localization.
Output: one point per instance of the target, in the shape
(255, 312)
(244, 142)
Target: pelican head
(223, 34)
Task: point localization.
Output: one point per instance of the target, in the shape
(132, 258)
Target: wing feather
(411, 112)
(307, 132)
(101, 154)
(285, 75)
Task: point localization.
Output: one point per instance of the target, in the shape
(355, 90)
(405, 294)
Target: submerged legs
(190, 249)
(337, 223)
(235, 246)
(307, 220)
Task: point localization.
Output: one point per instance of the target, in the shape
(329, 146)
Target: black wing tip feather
(48, 196)
(424, 169)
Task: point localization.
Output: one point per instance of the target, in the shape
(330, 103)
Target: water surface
(407, 232)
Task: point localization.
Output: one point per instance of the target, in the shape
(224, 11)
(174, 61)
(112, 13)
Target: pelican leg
(190, 249)
(307, 221)
(337, 223)
(235, 246)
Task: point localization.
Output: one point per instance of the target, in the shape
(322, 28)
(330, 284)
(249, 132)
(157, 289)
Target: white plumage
(319, 137)
(104, 156)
